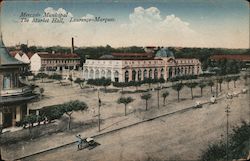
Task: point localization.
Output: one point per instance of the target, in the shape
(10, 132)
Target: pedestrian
(79, 141)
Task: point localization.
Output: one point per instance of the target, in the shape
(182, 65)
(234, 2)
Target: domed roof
(5, 57)
(164, 52)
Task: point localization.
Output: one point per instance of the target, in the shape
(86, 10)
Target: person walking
(79, 141)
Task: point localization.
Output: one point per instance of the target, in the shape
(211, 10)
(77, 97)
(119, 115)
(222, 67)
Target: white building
(54, 62)
(125, 67)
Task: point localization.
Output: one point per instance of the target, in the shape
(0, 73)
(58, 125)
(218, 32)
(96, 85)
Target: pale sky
(182, 23)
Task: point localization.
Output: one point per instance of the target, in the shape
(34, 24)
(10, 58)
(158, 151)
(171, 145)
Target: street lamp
(99, 114)
(229, 97)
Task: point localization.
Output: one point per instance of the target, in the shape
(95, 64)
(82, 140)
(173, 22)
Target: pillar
(18, 114)
(1, 119)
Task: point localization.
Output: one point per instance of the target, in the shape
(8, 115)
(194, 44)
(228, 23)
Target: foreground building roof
(5, 58)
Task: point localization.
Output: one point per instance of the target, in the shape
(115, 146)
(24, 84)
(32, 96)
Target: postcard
(124, 80)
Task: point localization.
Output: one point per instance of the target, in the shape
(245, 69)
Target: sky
(179, 23)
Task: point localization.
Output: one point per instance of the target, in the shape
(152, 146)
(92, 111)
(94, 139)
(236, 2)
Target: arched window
(133, 75)
(145, 74)
(86, 72)
(102, 73)
(139, 75)
(91, 74)
(155, 74)
(162, 73)
(97, 74)
(109, 74)
(126, 76)
(150, 73)
(116, 76)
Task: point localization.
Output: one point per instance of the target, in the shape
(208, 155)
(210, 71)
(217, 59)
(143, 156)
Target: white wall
(35, 63)
(25, 58)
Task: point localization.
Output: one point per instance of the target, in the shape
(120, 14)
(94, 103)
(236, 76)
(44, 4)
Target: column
(1, 122)
(1, 119)
(18, 114)
(130, 75)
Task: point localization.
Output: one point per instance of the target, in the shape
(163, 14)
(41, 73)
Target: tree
(235, 78)
(228, 80)
(57, 77)
(191, 85)
(80, 82)
(125, 101)
(105, 83)
(220, 81)
(41, 92)
(51, 112)
(69, 107)
(211, 84)
(202, 85)
(164, 95)
(146, 97)
(177, 87)
(42, 76)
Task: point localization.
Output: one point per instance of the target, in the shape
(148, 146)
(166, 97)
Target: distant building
(125, 67)
(14, 95)
(238, 57)
(21, 56)
(54, 62)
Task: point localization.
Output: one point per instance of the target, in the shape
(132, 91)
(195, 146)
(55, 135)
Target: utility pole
(99, 113)
(158, 93)
(227, 113)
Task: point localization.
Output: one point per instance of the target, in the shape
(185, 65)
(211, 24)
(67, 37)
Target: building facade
(130, 68)
(14, 95)
(54, 62)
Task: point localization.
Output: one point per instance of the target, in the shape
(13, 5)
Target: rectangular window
(6, 81)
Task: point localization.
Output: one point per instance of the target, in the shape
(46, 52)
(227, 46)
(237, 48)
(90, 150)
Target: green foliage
(99, 82)
(29, 120)
(51, 112)
(125, 101)
(210, 83)
(73, 106)
(165, 94)
(239, 144)
(184, 77)
(177, 87)
(146, 96)
(55, 76)
(41, 75)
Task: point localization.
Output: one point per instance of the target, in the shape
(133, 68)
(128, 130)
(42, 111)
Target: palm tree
(164, 95)
(69, 107)
(202, 85)
(146, 97)
(192, 85)
(228, 80)
(211, 84)
(235, 78)
(177, 87)
(125, 101)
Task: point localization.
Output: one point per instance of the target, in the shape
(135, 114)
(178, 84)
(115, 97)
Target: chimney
(72, 45)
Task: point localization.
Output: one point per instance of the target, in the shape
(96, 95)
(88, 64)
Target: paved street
(178, 137)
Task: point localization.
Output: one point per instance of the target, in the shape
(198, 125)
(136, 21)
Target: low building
(125, 67)
(14, 96)
(54, 62)
(245, 58)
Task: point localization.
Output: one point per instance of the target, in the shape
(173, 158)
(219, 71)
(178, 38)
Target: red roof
(132, 54)
(13, 53)
(58, 56)
(239, 57)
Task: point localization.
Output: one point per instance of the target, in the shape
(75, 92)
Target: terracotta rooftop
(57, 56)
(239, 57)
